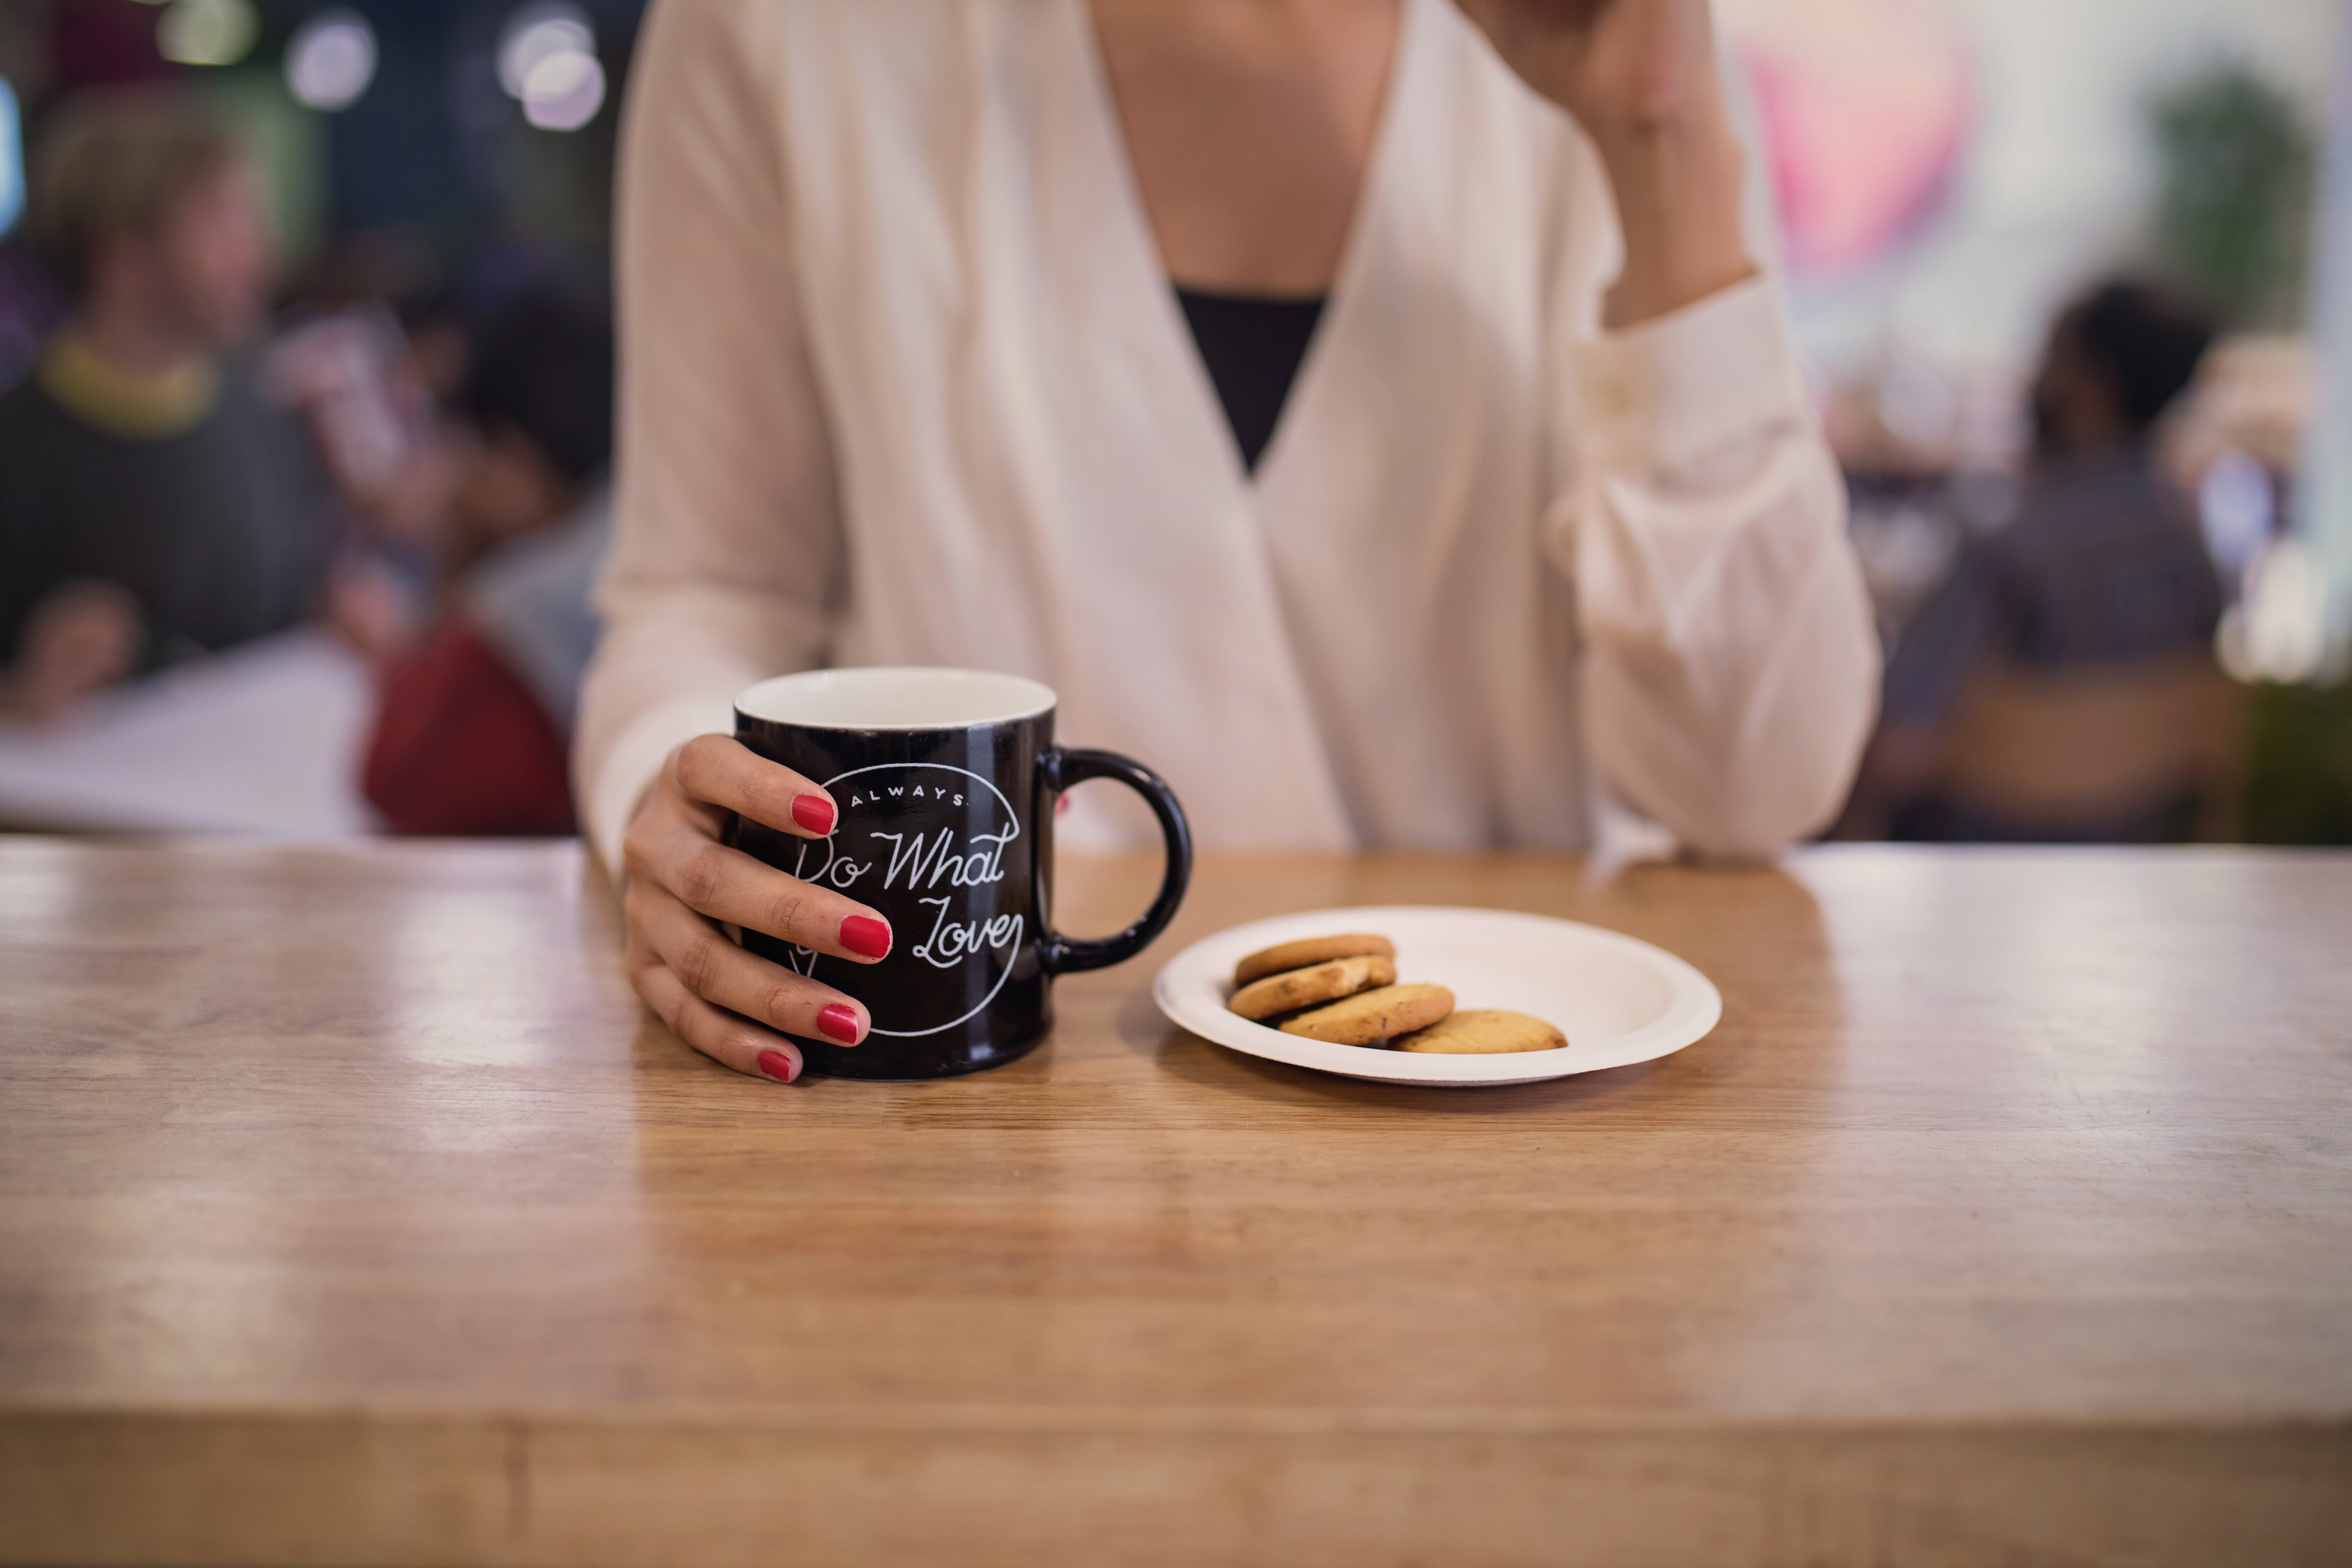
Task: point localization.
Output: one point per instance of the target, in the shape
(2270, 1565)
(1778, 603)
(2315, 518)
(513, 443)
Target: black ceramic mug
(946, 782)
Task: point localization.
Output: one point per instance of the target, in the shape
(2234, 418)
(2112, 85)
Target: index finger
(720, 771)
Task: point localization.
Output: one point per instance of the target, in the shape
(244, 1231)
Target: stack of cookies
(1343, 989)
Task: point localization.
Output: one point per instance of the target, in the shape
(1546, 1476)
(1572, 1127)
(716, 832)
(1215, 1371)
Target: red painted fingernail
(814, 813)
(778, 1065)
(840, 1021)
(865, 937)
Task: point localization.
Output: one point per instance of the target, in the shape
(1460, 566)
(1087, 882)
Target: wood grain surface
(351, 1211)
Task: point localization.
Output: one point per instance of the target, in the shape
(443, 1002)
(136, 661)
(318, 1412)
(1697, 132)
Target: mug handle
(1064, 767)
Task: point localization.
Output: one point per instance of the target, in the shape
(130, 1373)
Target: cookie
(1483, 1031)
(1370, 1017)
(1297, 988)
(1310, 949)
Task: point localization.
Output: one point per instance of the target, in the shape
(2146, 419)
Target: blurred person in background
(476, 718)
(154, 503)
(2101, 573)
(1370, 412)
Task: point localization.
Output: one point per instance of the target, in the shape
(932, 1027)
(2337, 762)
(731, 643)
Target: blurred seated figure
(2060, 685)
(154, 503)
(477, 717)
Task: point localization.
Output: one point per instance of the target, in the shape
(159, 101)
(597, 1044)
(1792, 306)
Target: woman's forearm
(1730, 664)
(1676, 183)
(1641, 76)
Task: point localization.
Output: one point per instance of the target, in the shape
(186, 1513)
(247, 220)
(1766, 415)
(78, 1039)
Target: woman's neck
(1249, 125)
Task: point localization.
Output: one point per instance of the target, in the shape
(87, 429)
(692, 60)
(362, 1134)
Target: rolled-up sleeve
(727, 555)
(1730, 668)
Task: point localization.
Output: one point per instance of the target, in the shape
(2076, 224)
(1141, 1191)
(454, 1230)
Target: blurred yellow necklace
(121, 403)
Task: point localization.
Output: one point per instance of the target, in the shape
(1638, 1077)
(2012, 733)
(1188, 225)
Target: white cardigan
(904, 383)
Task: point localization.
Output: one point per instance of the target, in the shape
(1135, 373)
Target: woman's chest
(996, 341)
(1249, 129)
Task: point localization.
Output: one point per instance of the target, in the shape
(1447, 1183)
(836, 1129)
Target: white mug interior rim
(895, 698)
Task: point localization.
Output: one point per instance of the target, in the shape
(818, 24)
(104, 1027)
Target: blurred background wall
(1947, 173)
(1947, 169)
(396, 153)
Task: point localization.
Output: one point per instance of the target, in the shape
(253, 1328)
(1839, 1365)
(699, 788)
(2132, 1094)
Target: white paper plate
(1619, 1000)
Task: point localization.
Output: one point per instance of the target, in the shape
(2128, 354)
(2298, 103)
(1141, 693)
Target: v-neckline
(1141, 252)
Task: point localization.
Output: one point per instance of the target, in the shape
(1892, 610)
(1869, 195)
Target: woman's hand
(80, 639)
(1619, 66)
(683, 881)
(1640, 76)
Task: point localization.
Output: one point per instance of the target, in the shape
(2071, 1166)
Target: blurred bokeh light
(547, 61)
(208, 31)
(331, 60)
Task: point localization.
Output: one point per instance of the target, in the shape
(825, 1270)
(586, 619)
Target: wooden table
(351, 1211)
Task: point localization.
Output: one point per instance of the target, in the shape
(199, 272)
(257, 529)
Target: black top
(219, 531)
(1252, 346)
(2103, 567)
